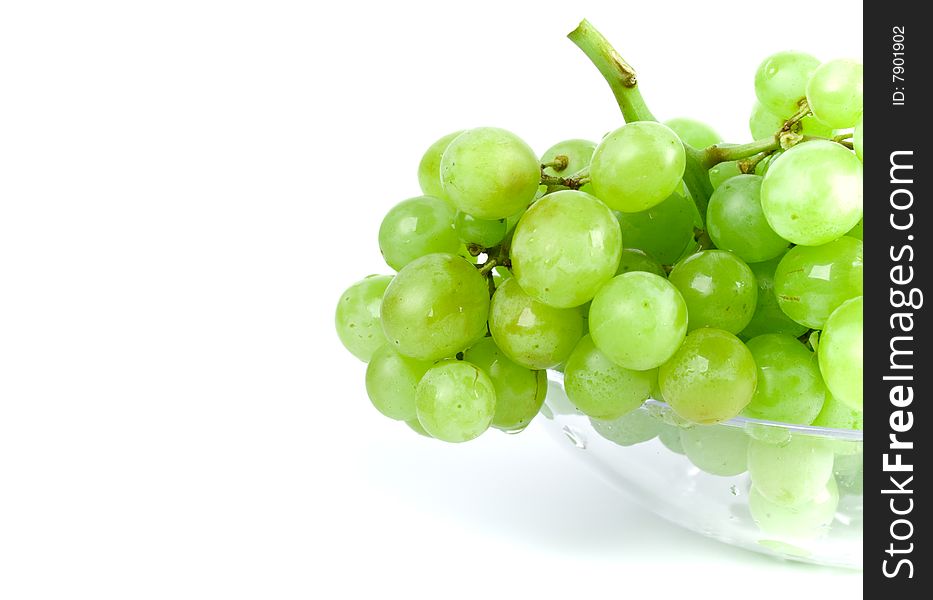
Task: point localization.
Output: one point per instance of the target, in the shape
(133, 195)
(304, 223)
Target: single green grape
(481, 232)
(490, 173)
(838, 415)
(735, 221)
(391, 380)
(635, 427)
(768, 317)
(763, 123)
(848, 471)
(578, 153)
(663, 231)
(857, 140)
(716, 449)
(790, 387)
(357, 320)
(670, 437)
(456, 401)
(416, 426)
(812, 281)
(637, 166)
(532, 333)
(719, 289)
(600, 388)
(781, 81)
(565, 248)
(694, 133)
(435, 307)
(834, 93)
(710, 378)
(840, 353)
(723, 172)
(857, 231)
(793, 474)
(638, 320)
(809, 520)
(762, 167)
(416, 227)
(520, 392)
(429, 169)
(634, 259)
(812, 194)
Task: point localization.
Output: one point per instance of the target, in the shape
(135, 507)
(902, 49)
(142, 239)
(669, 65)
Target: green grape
(637, 166)
(416, 227)
(806, 521)
(634, 259)
(416, 426)
(716, 449)
(429, 169)
(763, 124)
(638, 320)
(670, 437)
(565, 248)
(812, 194)
(456, 401)
(578, 153)
(723, 172)
(481, 232)
(840, 353)
(793, 474)
(834, 93)
(719, 289)
(520, 392)
(632, 428)
(490, 173)
(663, 231)
(781, 81)
(357, 320)
(736, 223)
(790, 387)
(694, 133)
(710, 378)
(435, 307)
(848, 471)
(857, 137)
(856, 232)
(500, 274)
(811, 281)
(600, 388)
(531, 333)
(837, 415)
(391, 380)
(762, 167)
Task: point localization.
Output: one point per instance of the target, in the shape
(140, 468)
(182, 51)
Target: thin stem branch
(559, 163)
(487, 266)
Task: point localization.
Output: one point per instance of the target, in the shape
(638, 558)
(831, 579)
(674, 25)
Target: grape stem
(487, 266)
(747, 165)
(559, 163)
(573, 183)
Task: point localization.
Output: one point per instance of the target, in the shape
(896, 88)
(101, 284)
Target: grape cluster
(740, 296)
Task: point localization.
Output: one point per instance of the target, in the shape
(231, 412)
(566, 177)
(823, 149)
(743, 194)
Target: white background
(187, 187)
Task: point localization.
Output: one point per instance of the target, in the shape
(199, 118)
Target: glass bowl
(697, 476)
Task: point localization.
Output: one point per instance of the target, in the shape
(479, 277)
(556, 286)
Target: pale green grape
(710, 378)
(790, 387)
(578, 153)
(781, 81)
(520, 392)
(416, 227)
(848, 471)
(532, 333)
(723, 172)
(812, 281)
(694, 133)
(632, 428)
(565, 248)
(837, 415)
(719, 289)
(638, 320)
(435, 307)
(763, 123)
(490, 173)
(663, 231)
(670, 437)
(857, 231)
(429, 169)
(416, 426)
(762, 167)
(481, 232)
(793, 474)
(857, 139)
(391, 380)
(600, 388)
(840, 353)
(735, 221)
(637, 166)
(834, 93)
(808, 520)
(456, 401)
(812, 194)
(716, 449)
(634, 259)
(357, 320)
